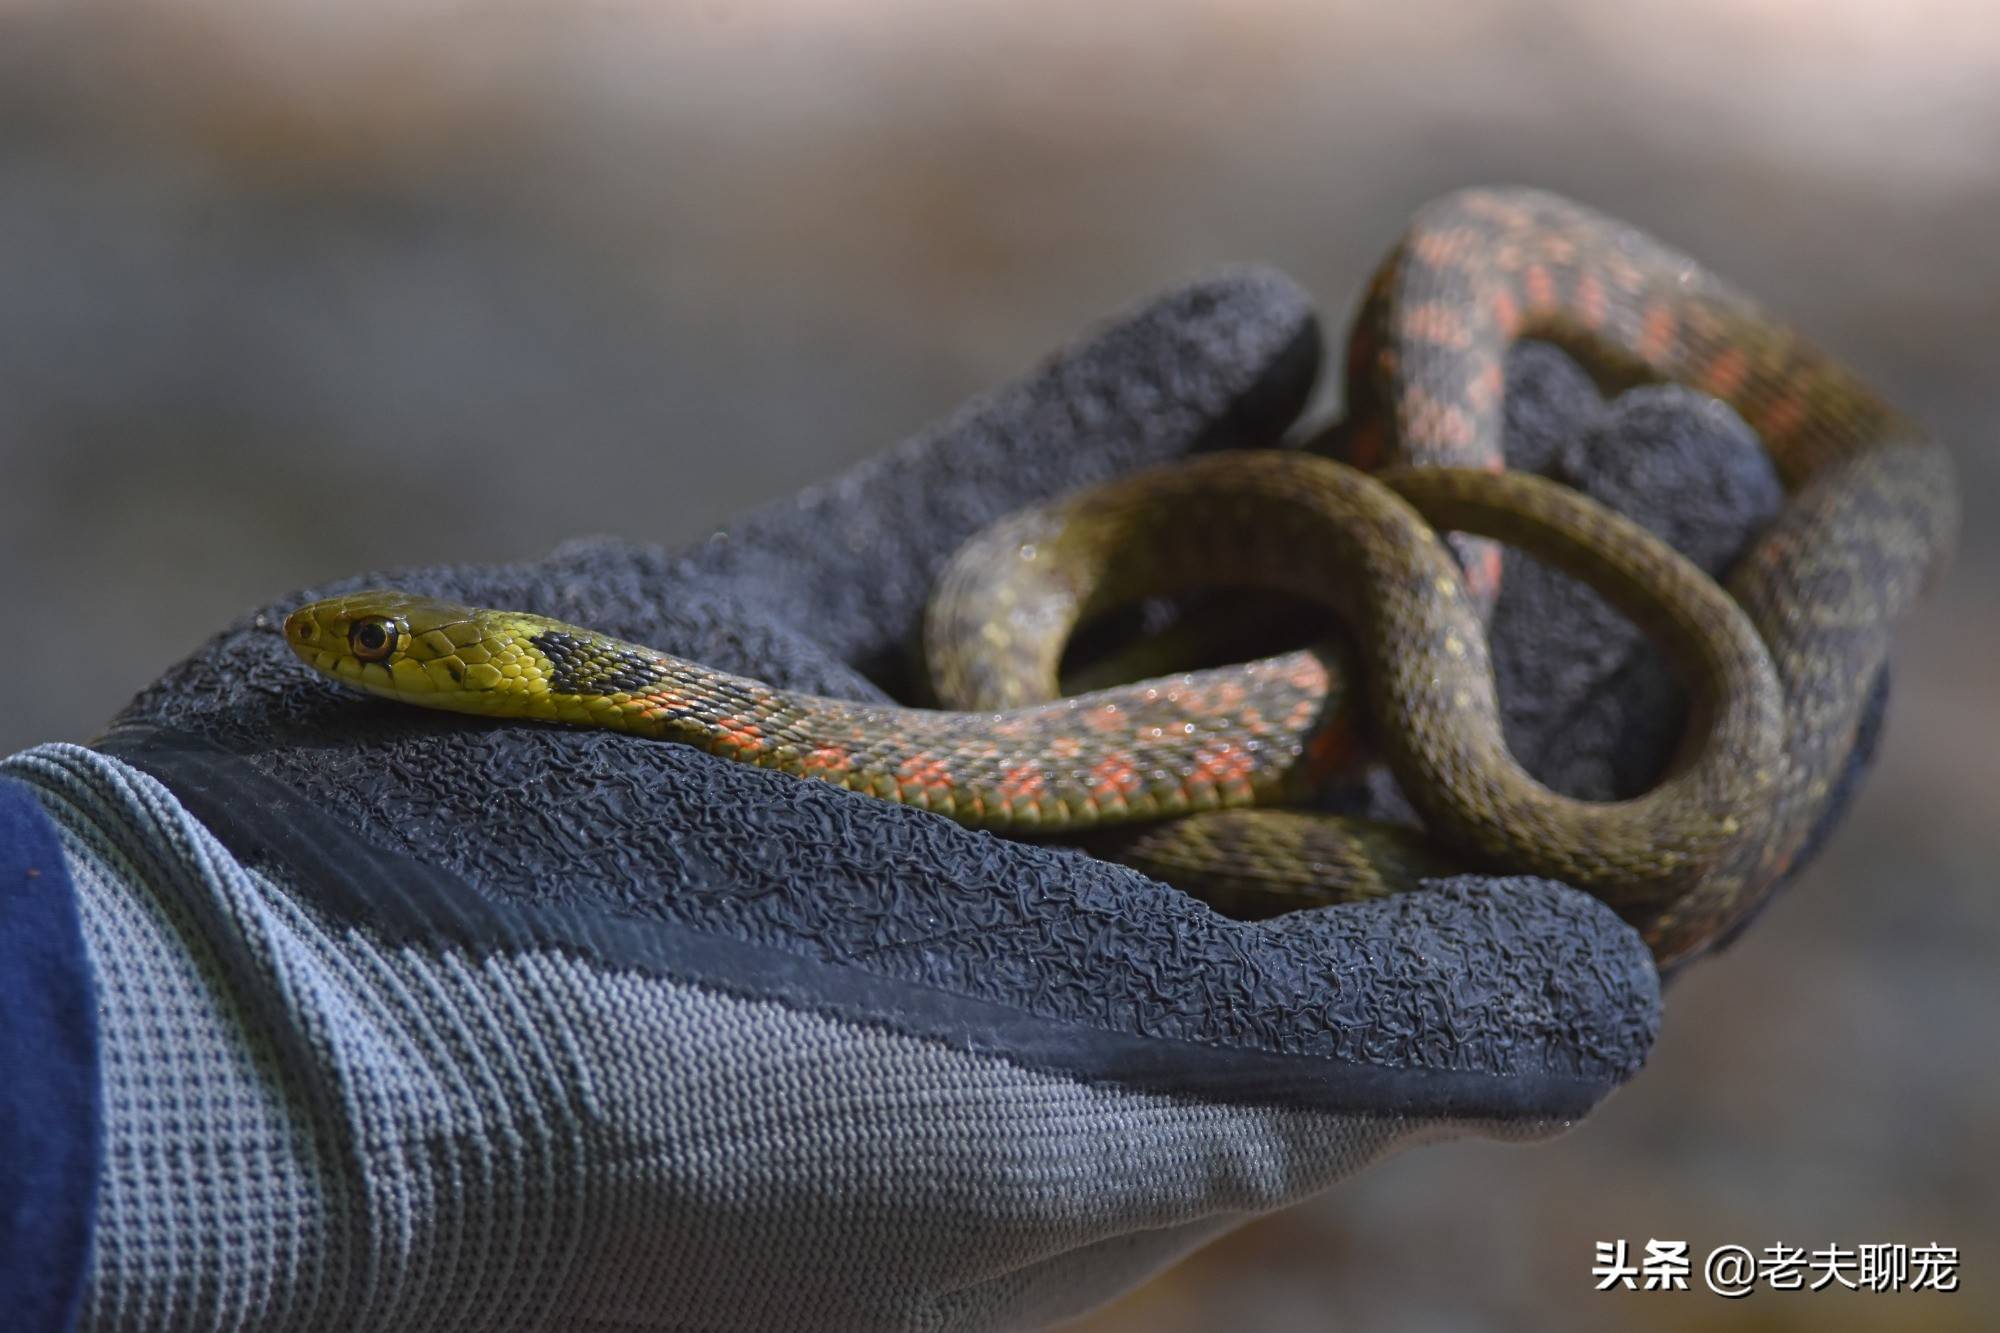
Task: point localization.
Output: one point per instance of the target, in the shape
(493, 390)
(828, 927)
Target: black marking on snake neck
(588, 666)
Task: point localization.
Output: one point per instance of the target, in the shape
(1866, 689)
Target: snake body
(1778, 666)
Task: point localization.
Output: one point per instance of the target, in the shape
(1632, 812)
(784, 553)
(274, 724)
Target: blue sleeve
(50, 1136)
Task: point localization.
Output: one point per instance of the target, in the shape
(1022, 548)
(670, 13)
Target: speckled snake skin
(1779, 666)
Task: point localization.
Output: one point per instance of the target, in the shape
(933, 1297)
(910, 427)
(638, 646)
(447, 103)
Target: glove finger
(1477, 997)
(1591, 707)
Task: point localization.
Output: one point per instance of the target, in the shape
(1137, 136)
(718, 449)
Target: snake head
(414, 649)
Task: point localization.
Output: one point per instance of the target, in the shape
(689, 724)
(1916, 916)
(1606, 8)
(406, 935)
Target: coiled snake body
(1779, 666)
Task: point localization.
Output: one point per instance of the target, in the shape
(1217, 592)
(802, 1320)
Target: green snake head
(417, 649)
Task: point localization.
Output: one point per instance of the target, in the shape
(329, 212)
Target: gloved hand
(416, 1021)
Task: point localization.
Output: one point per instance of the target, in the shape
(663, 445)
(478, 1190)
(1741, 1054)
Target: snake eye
(372, 640)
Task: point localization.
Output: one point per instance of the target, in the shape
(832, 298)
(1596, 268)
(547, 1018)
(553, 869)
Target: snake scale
(1778, 665)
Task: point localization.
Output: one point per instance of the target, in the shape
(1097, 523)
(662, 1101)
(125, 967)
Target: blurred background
(287, 291)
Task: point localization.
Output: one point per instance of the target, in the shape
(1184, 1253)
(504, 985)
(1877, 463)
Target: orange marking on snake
(1486, 388)
(1590, 302)
(1066, 747)
(1306, 674)
(1777, 422)
(1724, 376)
(1105, 720)
(1222, 763)
(1482, 574)
(1436, 323)
(1023, 780)
(924, 771)
(1505, 313)
(744, 736)
(1114, 775)
(1445, 248)
(1540, 285)
(828, 760)
(659, 704)
(1656, 335)
(1425, 418)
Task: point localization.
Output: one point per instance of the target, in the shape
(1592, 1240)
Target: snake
(1206, 778)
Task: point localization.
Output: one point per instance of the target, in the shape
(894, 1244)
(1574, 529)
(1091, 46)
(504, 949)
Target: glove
(412, 1020)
